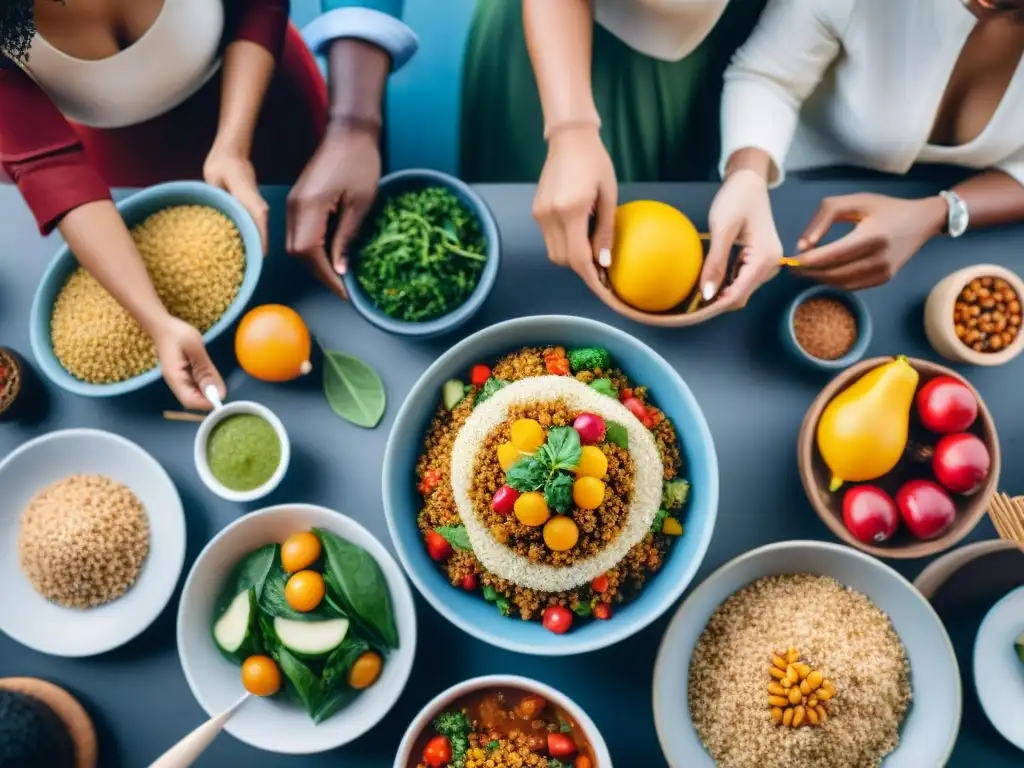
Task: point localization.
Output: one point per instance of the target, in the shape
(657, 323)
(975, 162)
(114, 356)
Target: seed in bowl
(195, 257)
(825, 327)
(987, 314)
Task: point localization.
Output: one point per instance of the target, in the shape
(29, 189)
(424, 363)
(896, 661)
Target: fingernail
(709, 291)
(801, 244)
(604, 257)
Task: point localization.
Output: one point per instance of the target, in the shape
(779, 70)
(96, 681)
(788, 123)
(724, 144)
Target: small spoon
(213, 396)
(188, 750)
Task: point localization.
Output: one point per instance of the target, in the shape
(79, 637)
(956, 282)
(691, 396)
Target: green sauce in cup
(243, 451)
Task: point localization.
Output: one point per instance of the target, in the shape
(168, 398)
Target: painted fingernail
(709, 291)
(604, 257)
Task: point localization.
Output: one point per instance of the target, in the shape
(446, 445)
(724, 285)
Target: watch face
(957, 218)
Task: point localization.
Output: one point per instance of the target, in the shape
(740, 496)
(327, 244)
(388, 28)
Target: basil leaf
(341, 660)
(273, 602)
(455, 535)
(360, 585)
(305, 683)
(249, 573)
(563, 449)
(583, 609)
(616, 433)
(558, 493)
(353, 389)
(527, 474)
(490, 386)
(605, 387)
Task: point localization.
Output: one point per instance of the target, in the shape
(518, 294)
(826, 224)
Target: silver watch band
(958, 218)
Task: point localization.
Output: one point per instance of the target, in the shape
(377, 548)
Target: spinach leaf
(273, 602)
(357, 624)
(616, 433)
(306, 684)
(455, 535)
(341, 660)
(605, 387)
(558, 493)
(360, 584)
(563, 449)
(353, 389)
(490, 386)
(527, 474)
(333, 701)
(249, 573)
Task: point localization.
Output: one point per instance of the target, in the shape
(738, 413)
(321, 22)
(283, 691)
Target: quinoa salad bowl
(551, 485)
(204, 255)
(805, 653)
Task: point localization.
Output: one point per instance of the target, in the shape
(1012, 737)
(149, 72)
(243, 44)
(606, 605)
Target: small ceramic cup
(203, 436)
(860, 312)
(938, 316)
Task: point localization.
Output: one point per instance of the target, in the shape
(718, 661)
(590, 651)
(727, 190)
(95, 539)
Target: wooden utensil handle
(188, 750)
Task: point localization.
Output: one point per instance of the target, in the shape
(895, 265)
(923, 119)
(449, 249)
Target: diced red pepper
(469, 582)
(600, 584)
(438, 548)
(635, 407)
(625, 394)
(561, 745)
(429, 480)
(648, 420)
(557, 366)
(479, 375)
(602, 611)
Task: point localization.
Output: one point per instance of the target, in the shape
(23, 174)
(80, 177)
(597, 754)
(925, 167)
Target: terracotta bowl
(938, 316)
(815, 475)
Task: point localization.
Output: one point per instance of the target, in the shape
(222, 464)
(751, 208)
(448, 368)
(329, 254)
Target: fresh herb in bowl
(424, 256)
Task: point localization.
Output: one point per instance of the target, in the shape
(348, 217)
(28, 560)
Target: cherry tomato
(561, 745)
(635, 407)
(438, 548)
(469, 582)
(504, 500)
(557, 619)
(365, 670)
(304, 591)
(260, 676)
(438, 752)
(600, 584)
(300, 550)
(479, 375)
(602, 611)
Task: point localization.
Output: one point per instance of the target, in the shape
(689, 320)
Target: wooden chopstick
(184, 416)
(1016, 517)
(1006, 517)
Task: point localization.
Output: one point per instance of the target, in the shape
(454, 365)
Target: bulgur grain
(83, 540)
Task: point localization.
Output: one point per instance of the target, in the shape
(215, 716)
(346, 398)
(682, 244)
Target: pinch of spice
(825, 328)
(987, 314)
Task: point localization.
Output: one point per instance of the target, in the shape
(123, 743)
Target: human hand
(232, 171)
(578, 179)
(343, 172)
(186, 366)
(887, 233)
(741, 214)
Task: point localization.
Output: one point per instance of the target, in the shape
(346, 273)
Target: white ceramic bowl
(25, 615)
(998, 672)
(277, 725)
(203, 465)
(405, 757)
(930, 727)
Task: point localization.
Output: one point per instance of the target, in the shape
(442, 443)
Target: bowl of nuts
(973, 316)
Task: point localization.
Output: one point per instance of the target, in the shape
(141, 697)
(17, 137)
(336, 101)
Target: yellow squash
(862, 433)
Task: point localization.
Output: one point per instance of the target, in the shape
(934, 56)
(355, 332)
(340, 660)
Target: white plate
(25, 615)
(998, 672)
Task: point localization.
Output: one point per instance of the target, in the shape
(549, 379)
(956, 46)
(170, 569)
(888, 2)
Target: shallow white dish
(27, 616)
(998, 672)
(277, 725)
(931, 725)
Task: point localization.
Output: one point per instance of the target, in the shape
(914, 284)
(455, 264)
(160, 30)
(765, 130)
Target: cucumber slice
(1019, 645)
(234, 631)
(452, 393)
(311, 639)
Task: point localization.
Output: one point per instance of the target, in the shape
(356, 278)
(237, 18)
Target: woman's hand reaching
(578, 180)
(186, 365)
(233, 172)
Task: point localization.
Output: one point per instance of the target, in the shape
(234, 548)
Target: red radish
(561, 745)
(602, 611)
(926, 508)
(479, 375)
(870, 514)
(599, 584)
(591, 428)
(469, 582)
(438, 548)
(504, 500)
(945, 405)
(557, 619)
(635, 407)
(961, 462)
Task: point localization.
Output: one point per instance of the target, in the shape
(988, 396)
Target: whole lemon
(657, 256)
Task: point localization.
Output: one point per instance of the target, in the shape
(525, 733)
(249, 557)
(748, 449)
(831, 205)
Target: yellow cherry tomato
(508, 455)
(588, 493)
(561, 533)
(300, 550)
(593, 463)
(365, 670)
(527, 435)
(260, 676)
(531, 509)
(304, 591)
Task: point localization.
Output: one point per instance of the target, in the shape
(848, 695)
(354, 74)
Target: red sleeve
(263, 22)
(41, 153)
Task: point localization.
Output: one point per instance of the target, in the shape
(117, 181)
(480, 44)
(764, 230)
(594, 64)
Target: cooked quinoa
(838, 631)
(195, 257)
(83, 540)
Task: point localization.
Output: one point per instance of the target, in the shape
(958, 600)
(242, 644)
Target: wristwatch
(958, 217)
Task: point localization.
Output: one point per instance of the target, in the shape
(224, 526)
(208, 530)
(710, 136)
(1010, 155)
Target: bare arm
(358, 71)
(993, 198)
(248, 68)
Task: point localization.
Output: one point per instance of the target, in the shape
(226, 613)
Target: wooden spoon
(188, 750)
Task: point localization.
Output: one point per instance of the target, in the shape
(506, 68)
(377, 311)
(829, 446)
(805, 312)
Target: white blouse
(664, 29)
(859, 82)
(163, 68)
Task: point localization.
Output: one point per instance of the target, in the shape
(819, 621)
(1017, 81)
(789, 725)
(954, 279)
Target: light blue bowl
(930, 728)
(860, 312)
(402, 503)
(395, 184)
(134, 209)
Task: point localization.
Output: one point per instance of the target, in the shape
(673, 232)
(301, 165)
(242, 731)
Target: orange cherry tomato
(300, 550)
(260, 676)
(365, 670)
(304, 591)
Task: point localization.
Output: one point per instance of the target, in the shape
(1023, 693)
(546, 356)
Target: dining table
(752, 392)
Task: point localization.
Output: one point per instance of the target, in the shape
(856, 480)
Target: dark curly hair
(17, 26)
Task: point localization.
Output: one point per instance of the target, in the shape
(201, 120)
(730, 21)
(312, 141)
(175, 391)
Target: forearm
(357, 73)
(248, 68)
(993, 197)
(97, 235)
(750, 159)
(560, 38)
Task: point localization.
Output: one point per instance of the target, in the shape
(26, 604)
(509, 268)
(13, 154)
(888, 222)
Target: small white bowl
(276, 724)
(998, 672)
(422, 721)
(203, 465)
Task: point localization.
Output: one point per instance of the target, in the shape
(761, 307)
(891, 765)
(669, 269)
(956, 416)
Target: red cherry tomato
(635, 407)
(438, 752)
(600, 584)
(469, 582)
(478, 375)
(946, 405)
(504, 500)
(557, 619)
(438, 548)
(870, 514)
(961, 462)
(926, 508)
(561, 745)
(602, 611)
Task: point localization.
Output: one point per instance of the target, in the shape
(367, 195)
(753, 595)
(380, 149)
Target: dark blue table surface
(752, 396)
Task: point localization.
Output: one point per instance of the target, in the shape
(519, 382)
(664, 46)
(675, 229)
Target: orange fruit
(365, 670)
(300, 550)
(304, 591)
(272, 343)
(260, 676)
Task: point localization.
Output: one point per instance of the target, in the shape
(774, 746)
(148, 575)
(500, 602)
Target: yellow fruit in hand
(527, 435)
(561, 533)
(593, 462)
(272, 343)
(657, 256)
(588, 493)
(531, 509)
(508, 455)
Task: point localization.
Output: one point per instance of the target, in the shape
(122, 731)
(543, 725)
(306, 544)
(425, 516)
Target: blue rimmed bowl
(134, 209)
(392, 186)
(402, 502)
(860, 312)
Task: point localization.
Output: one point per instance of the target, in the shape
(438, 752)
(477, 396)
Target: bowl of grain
(204, 255)
(805, 653)
(92, 540)
(826, 328)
